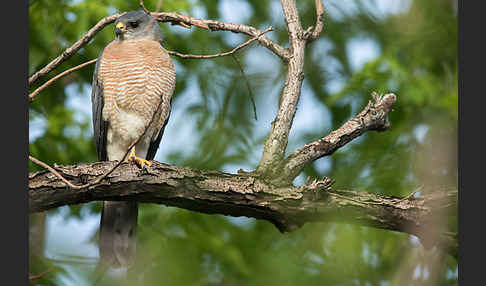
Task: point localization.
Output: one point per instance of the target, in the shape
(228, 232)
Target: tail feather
(118, 229)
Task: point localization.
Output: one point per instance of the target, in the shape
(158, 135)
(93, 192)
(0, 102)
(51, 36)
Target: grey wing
(100, 126)
(154, 145)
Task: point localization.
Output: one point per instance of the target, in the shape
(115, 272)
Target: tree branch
(276, 142)
(372, 117)
(313, 33)
(187, 21)
(214, 192)
(74, 48)
(213, 25)
(64, 73)
(37, 276)
(159, 6)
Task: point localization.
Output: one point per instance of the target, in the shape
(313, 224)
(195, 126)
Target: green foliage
(417, 61)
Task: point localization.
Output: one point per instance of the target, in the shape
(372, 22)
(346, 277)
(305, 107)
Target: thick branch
(372, 117)
(216, 192)
(276, 142)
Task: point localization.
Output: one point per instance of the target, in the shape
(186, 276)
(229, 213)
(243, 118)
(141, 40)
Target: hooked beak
(120, 28)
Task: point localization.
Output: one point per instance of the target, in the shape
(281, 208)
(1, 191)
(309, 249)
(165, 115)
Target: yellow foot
(139, 161)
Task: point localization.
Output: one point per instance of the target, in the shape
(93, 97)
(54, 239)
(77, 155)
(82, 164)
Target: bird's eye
(133, 24)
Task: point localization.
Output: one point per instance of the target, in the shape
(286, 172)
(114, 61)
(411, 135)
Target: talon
(139, 161)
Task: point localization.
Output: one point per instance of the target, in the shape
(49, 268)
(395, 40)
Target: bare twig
(159, 6)
(52, 170)
(319, 22)
(37, 276)
(74, 48)
(413, 193)
(72, 186)
(232, 52)
(241, 46)
(49, 82)
(250, 94)
(143, 7)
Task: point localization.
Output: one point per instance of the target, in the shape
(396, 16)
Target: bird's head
(137, 25)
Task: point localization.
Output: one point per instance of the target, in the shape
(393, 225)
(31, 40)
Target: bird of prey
(133, 82)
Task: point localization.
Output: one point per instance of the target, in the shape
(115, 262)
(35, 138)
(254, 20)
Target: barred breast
(136, 76)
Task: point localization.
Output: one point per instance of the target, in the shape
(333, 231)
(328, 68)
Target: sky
(60, 241)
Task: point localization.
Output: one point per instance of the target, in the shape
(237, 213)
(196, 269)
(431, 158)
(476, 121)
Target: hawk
(133, 82)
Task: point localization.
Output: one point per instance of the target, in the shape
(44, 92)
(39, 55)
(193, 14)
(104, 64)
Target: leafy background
(408, 47)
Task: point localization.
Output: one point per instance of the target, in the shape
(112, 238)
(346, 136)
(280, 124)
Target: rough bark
(215, 192)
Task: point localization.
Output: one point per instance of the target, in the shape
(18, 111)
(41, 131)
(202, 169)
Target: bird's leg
(139, 161)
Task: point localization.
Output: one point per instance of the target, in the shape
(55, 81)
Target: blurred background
(408, 47)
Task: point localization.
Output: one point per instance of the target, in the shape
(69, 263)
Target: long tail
(118, 230)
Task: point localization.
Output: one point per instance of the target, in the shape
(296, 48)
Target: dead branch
(372, 117)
